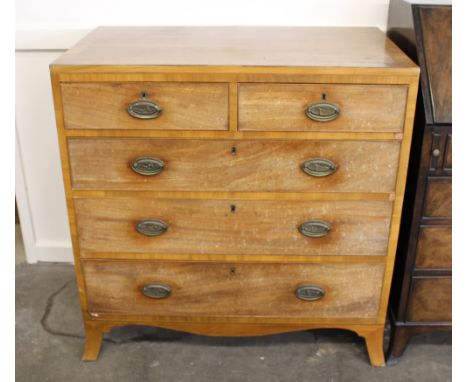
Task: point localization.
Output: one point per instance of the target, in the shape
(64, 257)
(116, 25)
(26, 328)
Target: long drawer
(229, 289)
(232, 227)
(145, 106)
(322, 107)
(252, 165)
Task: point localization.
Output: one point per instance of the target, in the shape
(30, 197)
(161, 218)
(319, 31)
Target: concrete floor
(49, 342)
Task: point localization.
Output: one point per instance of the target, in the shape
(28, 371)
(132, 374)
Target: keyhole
(233, 150)
(324, 96)
(232, 271)
(233, 208)
(143, 94)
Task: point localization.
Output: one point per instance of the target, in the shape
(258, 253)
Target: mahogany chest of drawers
(235, 181)
(421, 298)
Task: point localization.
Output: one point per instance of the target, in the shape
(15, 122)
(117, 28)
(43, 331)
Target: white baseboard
(54, 252)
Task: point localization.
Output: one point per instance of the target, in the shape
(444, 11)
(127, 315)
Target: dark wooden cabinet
(422, 283)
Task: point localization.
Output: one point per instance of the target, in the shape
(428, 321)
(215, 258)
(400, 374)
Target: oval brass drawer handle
(151, 227)
(310, 292)
(157, 291)
(315, 228)
(147, 166)
(322, 111)
(319, 167)
(144, 109)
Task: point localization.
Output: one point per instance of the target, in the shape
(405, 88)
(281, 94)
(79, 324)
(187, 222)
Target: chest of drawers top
(238, 46)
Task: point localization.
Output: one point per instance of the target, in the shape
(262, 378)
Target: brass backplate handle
(144, 109)
(315, 228)
(319, 167)
(310, 292)
(147, 166)
(322, 111)
(157, 291)
(151, 227)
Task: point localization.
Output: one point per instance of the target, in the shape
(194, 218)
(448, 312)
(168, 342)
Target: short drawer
(206, 165)
(331, 108)
(145, 106)
(434, 248)
(225, 289)
(430, 299)
(232, 227)
(438, 200)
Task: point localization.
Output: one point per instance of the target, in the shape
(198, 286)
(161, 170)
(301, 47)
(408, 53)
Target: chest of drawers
(235, 181)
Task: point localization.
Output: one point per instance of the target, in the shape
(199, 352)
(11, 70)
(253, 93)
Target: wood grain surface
(237, 46)
(366, 108)
(436, 32)
(233, 165)
(240, 327)
(230, 289)
(438, 202)
(431, 299)
(200, 71)
(234, 227)
(185, 106)
(448, 153)
(434, 249)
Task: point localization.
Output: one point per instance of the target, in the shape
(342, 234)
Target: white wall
(59, 14)
(46, 28)
(40, 195)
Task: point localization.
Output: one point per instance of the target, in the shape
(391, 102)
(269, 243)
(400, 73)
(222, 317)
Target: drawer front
(205, 165)
(448, 153)
(182, 106)
(222, 289)
(438, 203)
(361, 108)
(431, 299)
(440, 158)
(232, 227)
(434, 249)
